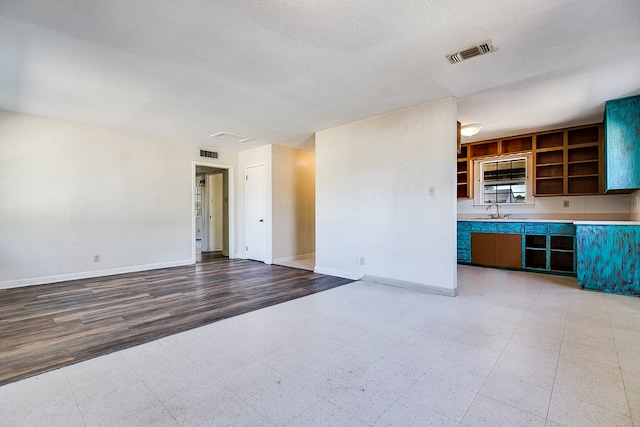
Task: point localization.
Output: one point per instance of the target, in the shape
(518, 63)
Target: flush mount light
(230, 137)
(471, 129)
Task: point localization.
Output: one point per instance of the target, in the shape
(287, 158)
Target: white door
(255, 231)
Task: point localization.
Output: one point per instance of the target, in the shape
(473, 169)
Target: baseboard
(293, 258)
(337, 273)
(430, 289)
(90, 274)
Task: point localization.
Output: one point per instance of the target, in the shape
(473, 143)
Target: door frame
(231, 205)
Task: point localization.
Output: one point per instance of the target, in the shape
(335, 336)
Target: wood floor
(49, 326)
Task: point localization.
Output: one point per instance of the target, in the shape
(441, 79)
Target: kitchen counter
(606, 222)
(565, 221)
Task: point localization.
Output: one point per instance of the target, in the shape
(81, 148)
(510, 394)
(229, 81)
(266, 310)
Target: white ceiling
(279, 70)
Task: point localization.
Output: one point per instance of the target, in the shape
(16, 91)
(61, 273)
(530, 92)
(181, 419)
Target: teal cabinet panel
(622, 144)
(464, 225)
(562, 229)
(536, 228)
(608, 258)
(464, 242)
(483, 227)
(509, 228)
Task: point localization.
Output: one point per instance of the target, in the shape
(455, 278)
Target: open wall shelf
(565, 161)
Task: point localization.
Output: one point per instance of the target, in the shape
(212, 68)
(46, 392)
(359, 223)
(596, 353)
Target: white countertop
(566, 221)
(606, 222)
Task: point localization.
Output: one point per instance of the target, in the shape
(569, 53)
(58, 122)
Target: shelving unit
(583, 160)
(561, 253)
(549, 163)
(550, 248)
(565, 161)
(535, 255)
(517, 145)
(489, 148)
(464, 177)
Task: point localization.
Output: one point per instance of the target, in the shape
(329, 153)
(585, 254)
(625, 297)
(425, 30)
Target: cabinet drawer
(562, 229)
(536, 228)
(483, 227)
(509, 228)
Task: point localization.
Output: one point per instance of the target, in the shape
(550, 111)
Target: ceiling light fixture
(230, 137)
(471, 129)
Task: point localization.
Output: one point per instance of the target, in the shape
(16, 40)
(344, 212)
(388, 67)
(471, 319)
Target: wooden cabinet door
(483, 248)
(509, 250)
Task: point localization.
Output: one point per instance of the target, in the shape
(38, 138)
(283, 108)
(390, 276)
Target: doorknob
(262, 220)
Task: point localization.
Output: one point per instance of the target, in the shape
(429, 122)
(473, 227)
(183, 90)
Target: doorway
(212, 212)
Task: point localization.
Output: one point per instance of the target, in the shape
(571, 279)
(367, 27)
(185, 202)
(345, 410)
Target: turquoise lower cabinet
(547, 247)
(464, 242)
(609, 258)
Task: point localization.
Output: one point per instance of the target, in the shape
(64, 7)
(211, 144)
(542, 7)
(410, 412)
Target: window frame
(478, 188)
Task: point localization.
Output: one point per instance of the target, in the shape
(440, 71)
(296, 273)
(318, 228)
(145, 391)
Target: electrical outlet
(361, 260)
(96, 258)
(565, 203)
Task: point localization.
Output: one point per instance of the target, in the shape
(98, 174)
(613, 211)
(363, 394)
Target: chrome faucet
(497, 214)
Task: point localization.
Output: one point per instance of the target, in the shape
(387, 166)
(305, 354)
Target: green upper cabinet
(622, 144)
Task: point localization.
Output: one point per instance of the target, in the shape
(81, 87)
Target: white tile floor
(308, 263)
(512, 349)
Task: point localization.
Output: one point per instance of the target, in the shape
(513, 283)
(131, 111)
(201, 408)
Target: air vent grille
(470, 52)
(209, 154)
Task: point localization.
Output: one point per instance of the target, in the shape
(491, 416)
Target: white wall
(634, 201)
(293, 184)
(372, 198)
(69, 192)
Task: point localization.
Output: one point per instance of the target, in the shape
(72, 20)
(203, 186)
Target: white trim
(294, 258)
(478, 179)
(91, 274)
(429, 289)
(337, 273)
(231, 203)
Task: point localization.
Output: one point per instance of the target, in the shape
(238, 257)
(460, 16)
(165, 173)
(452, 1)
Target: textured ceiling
(279, 70)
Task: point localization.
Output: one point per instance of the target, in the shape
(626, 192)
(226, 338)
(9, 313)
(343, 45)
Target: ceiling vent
(209, 154)
(470, 52)
(230, 137)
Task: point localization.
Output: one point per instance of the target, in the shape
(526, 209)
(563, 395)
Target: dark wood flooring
(48, 326)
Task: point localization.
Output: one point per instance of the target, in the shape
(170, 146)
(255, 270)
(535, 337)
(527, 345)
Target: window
(503, 179)
(198, 200)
